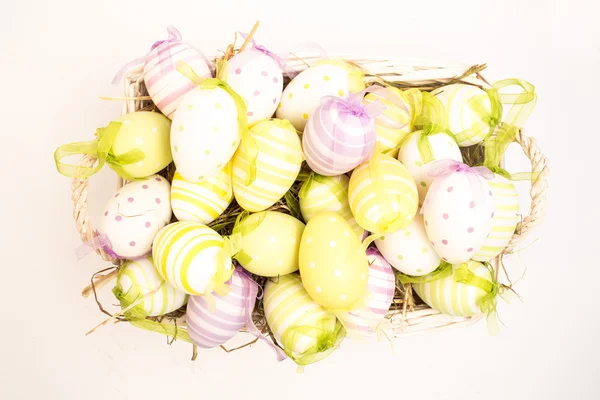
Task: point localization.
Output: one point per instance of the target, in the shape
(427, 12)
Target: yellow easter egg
(270, 241)
(382, 194)
(277, 164)
(150, 133)
(333, 263)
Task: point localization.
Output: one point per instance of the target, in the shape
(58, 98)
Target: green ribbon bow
(443, 270)
(101, 148)
(488, 118)
(334, 185)
(242, 227)
(326, 341)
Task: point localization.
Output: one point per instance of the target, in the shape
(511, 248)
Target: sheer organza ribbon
(326, 340)
(441, 169)
(353, 105)
(241, 228)
(281, 61)
(99, 241)
(334, 186)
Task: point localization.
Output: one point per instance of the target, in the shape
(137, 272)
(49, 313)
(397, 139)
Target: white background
(59, 56)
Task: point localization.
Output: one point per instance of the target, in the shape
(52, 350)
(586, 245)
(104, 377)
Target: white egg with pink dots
(258, 79)
(135, 214)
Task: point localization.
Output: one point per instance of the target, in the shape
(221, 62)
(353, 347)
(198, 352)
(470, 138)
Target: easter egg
(381, 285)
(307, 332)
(455, 298)
(138, 279)
(135, 214)
(204, 134)
(201, 201)
(303, 94)
(277, 165)
(458, 214)
(442, 147)
(409, 250)
(333, 264)
(167, 86)
(149, 132)
(270, 243)
(382, 194)
(506, 205)
(256, 77)
(327, 193)
(468, 127)
(192, 257)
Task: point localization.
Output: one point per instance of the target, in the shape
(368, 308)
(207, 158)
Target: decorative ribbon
(281, 62)
(443, 168)
(101, 148)
(99, 241)
(325, 341)
(333, 184)
(444, 270)
(241, 228)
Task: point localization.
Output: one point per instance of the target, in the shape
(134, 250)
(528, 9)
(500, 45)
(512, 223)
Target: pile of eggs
(363, 176)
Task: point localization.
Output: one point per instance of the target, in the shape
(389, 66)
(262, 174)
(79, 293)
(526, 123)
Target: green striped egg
(328, 193)
(201, 201)
(293, 316)
(454, 298)
(137, 279)
(277, 165)
(505, 200)
(187, 255)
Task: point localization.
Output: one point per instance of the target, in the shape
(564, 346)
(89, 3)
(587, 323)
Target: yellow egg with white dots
(333, 263)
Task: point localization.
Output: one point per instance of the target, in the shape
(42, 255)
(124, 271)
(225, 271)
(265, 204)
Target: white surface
(59, 56)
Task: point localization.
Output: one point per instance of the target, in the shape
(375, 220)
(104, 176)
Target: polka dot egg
(333, 265)
(135, 214)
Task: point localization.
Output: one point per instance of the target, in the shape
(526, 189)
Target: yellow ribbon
(334, 186)
(241, 228)
(326, 341)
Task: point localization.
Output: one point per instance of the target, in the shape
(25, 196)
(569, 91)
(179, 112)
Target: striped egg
(277, 165)
(303, 94)
(380, 295)
(327, 193)
(210, 327)
(455, 298)
(382, 194)
(504, 222)
(191, 256)
(201, 201)
(307, 332)
(467, 126)
(167, 86)
(138, 279)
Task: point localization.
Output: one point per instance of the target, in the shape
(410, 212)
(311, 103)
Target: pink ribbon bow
(353, 105)
(444, 168)
(290, 72)
(99, 241)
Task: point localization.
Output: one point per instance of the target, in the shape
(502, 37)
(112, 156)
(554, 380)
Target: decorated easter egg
(381, 285)
(135, 214)
(138, 279)
(257, 77)
(204, 134)
(278, 160)
(201, 201)
(307, 332)
(455, 298)
(382, 195)
(506, 204)
(467, 108)
(340, 134)
(458, 213)
(441, 145)
(327, 193)
(409, 249)
(303, 94)
(269, 243)
(167, 86)
(192, 257)
(333, 265)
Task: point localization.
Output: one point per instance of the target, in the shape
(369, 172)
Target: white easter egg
(409, 250)
(135, 214)
(258, 79)
(442, 146)
(204, 133)
(458, 215)
(303, 94)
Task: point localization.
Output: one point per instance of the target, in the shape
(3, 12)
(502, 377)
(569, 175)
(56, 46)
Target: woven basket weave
(408, 316)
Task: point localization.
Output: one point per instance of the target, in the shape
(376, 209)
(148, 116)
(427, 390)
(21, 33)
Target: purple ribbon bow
(441, 169)
(174, 36)
(99, 241)
(290, 72)
(353, 105)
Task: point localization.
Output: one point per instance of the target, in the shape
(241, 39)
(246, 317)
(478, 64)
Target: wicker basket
(407, 316)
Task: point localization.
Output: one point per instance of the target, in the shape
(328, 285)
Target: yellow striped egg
(455, 298)
(506, 204)
(307, 332)
(201, 201)
(277, 165)
(138, 279)
(382, 194)
(327, 193)
(192, 257)
(303, 94)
